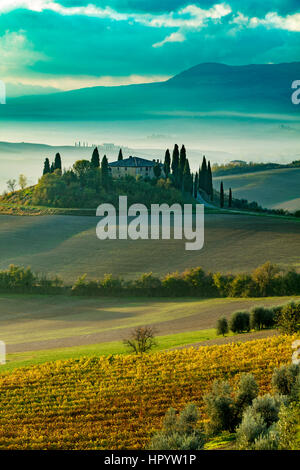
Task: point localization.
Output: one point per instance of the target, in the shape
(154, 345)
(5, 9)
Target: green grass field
(68, 246)
(275, 189)
(27, 358)
(45, 328)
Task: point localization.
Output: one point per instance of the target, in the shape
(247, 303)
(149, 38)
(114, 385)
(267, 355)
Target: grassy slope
(272, 189)
(68, 246)
(45, 328)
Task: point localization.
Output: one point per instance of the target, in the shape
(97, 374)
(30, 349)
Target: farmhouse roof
(133, 162)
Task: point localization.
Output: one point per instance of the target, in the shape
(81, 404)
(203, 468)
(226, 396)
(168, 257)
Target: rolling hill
(274, 189)
(67, 246)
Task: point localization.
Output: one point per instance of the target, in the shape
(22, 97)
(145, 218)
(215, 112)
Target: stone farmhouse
(134, 166)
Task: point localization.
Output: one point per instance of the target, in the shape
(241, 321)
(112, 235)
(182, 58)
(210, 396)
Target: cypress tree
(95, 161)
(203, 175)
(209, 182)
(182, 160)
(52, 168)
(167, 163)
(57, 162)
(230, 198)
(221, 195)
(104, 172)
(196, 184)
(187, 178)
(120, 156)
(46, 166)
(175, 165)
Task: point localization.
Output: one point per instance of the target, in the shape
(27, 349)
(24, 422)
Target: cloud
(273, 20)
(174, 37)
(16, 52)
(66, 83)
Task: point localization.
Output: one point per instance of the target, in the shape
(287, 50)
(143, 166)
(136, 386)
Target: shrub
(239, 322)
(258, 428)
(267, 406)
(250, 429)
(242, 286)
(220, 408)
(222, 326)
(147, 284)
(289, 419)
(261, 317)
(267, 441)
(247, 391)
(288, 320)
(265, 278)
(179, 433)
(285, 379)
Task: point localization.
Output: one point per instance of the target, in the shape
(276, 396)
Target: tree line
(266, 280)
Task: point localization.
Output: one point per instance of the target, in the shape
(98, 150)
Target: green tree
(222, 326)
(203, 175)
(265, 278)
(210, 191)
(120, 156)
(239, 322)
(187, 178)
(221, 195)
(157, 170)
(22, 181)
(230, 198)
(95, 161)
(179, 433)
(81, 167)
(57, 162)
(175, 166)
(288, 320)
(11, 184)
(46, 166)
(104, 172)
(196, 184)
(167, 163)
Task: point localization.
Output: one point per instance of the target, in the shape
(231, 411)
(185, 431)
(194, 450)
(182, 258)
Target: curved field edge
(118, 402)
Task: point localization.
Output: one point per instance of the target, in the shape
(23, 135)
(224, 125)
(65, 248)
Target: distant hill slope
(275, 189)
(68, 246)
(209, 87)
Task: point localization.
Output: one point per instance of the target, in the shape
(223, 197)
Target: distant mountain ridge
(204, 88)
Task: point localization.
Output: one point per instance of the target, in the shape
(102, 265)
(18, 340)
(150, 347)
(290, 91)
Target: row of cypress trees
(55, 165)
(177, 168)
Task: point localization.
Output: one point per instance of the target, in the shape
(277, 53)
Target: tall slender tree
(175, 165)
(120, 156)
(187, 178)
(104, 172)
(230, 198)
(46, 166)
(167, 163)
(209, 182)
(196, 185)
(203, 175)
(95, 161)
(57, 162)
(221, 195)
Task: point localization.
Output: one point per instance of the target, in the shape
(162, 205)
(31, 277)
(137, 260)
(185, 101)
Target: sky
(67, 44)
